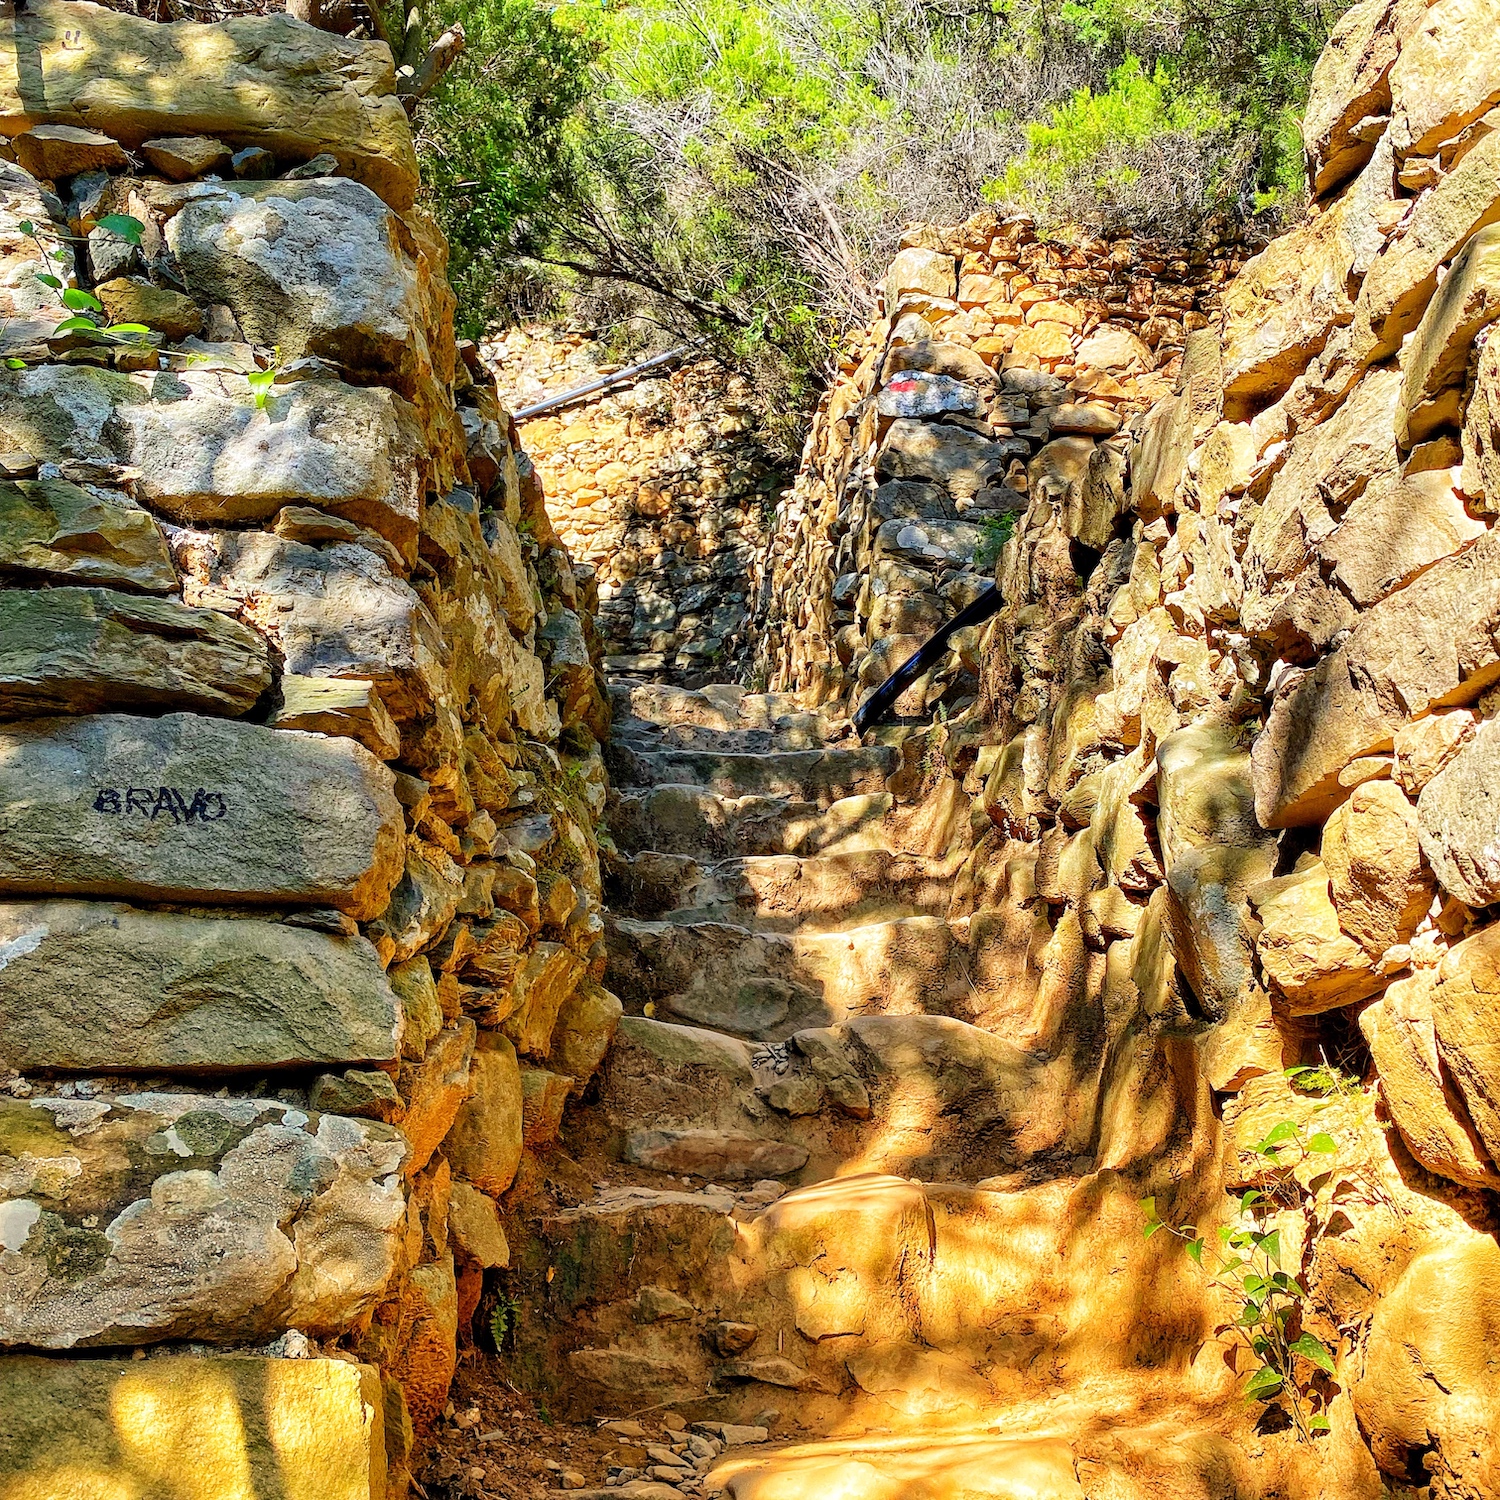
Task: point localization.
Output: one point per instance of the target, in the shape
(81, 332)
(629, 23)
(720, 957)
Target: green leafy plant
(1270, 1301)
(504, 1319)
(261, 381)
(994, 532)
(86, 308)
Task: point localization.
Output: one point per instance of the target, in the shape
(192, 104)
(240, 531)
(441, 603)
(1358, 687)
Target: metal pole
(605, 381)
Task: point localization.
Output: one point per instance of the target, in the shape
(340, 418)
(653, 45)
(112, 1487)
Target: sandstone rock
(234, 1220)
(1395, 530)
(129, 300)
(916, 1379)
(544, 1097)
(1426, 1105)
(474, 1224)
(546, 979)
(1429, 645)
(57, 151)
(585, 1027)
(267, 81)
(434, 1090)
(1350, 94)
(237, 1423)
(1437, 358)
(331, 612)
(183, 157)
(1459, 819)
(1401, 281)
(61, 532)
(89, 985)
(1328, 467)
(1428, 1394)
(1424, 748)
(335, 705)
(110, 805)
(923, 394)
(1466, 1015)
(935, 543)
(422, 1012)
(960, 460)
(1303, 951)
(1088, 419)
(1480, 475)
(316, 268)
(922, 271)
(1379, 885)
(207, 452)
(1284, 305)
(1110, 347)
(1445, 76)
(82, 650)
(723, 1156)
(364, 1093)
(427, 1355)
(484, 1145)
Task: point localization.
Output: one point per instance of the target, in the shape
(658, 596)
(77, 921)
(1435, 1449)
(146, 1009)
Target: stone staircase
(820, 1194)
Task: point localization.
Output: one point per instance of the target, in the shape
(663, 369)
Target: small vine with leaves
(85, 308)
(1270, 1301)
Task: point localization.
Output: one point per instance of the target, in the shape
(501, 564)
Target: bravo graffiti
(154, 802)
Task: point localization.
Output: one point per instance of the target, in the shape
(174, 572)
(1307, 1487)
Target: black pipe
(883, 699)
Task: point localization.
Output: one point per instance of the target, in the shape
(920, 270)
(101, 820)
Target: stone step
(918, 1096)
(781, 892)
(799, 732)
(818, 776)
(865, 1299)
(766, 985)
(702, 824)
(1100, 1445)
(693, 718)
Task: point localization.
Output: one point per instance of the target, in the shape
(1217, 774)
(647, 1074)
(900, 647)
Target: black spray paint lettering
(153, 802)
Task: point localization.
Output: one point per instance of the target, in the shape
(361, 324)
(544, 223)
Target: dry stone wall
(664, 487)
(1005, 366)
(300, 933)
(1230, 744)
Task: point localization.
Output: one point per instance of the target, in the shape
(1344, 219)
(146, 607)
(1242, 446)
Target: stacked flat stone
(662, 486)
(1002, 363)
(300, 942)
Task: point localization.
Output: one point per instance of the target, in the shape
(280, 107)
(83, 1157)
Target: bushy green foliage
(495, 139)
(748, 167)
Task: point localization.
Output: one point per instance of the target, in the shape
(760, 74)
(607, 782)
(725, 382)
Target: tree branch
(414, 84)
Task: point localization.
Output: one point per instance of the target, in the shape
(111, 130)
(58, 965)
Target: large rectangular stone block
(184, 808)
(267, 80)
(95, 984)
(186, 1427)
(134, 1218)
(68, 651)
(56, 530)
(207, 452)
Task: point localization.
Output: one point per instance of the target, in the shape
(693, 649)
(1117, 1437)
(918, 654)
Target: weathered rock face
(262, 81)
(1006, 392)
(91, 984)
(189, 1217)
(69, 650)
(299, 727)
(307, 1426)
(661, 488)
(112, 805)
(319, 267)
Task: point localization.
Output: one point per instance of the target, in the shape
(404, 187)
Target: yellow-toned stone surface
(236, 1427)
(265, 81)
